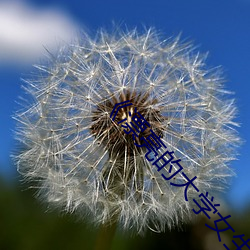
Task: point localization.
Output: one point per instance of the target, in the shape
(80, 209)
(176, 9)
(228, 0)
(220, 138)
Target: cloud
(25, 31)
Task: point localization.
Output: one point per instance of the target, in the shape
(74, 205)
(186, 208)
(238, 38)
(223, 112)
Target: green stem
(105, 236)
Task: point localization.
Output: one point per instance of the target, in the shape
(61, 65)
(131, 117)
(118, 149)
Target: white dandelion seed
(84, 162)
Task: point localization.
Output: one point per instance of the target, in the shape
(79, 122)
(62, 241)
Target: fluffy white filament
(67, 161)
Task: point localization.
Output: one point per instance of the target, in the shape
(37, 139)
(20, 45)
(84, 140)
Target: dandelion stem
(105, 236)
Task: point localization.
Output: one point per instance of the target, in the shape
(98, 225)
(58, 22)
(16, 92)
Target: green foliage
(26, 226)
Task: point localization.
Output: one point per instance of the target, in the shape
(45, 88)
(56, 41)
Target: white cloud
(25, 31)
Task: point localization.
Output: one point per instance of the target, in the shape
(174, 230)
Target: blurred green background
(27, 225)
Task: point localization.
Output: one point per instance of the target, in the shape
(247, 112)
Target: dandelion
(84, 162)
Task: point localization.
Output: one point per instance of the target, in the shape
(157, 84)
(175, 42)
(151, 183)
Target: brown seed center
(111, 133)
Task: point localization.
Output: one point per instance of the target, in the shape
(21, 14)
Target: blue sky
(221, 27)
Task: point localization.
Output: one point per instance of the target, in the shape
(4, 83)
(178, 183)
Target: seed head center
(116, 133)
(127, 115)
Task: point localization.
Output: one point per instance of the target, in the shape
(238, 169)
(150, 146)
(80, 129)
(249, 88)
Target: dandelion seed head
(84, 162)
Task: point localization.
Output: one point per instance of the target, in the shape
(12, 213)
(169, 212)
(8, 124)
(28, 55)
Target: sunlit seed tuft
(84, 162)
